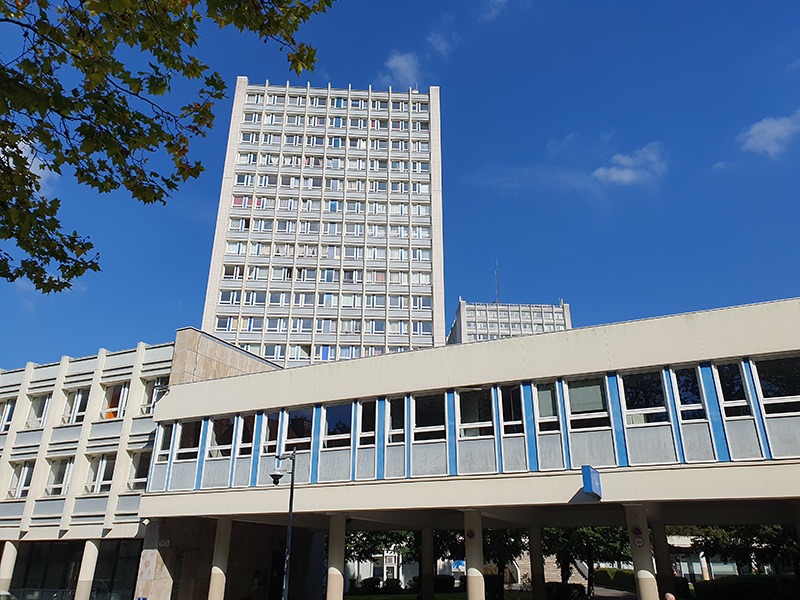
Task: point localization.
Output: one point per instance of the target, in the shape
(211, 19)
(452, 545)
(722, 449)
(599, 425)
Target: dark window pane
(397, 413)
(190, 434)
(643, 390)
(248, 425)
(429, 410)
(476, 406)
(512, 403)
(338, 419)
(367, 416)
(299, 424)
(779, 377)
(546, 397)
(688, 386)
(223, 432)
(730, 378)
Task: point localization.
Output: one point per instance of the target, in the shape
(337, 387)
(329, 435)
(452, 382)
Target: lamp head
(276, 477)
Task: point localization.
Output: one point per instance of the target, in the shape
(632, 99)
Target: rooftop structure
(477, 321)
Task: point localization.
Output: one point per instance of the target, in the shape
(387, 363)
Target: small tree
(749, 544)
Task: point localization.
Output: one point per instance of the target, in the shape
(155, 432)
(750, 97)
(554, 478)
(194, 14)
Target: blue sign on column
(591, 481)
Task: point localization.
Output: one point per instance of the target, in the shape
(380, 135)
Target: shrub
(617, 579)
(392, 586)
(747, 587)
(413, 584)
(443, 584)
(370, 585)
(564, 591)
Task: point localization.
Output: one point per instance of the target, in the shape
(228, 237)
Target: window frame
(108, 412)
(638, 417)
(55, 489)
(428, 433)
(585, 421)
(473, 430)
(99, 480)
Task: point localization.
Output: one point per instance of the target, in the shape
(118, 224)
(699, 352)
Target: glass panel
(368, 416)
(299, 428)
(688, 386)
(546, 396)
(338, 419)
(730, 378)
(429, 411)
(587, 396)
(779, 377)
(476, 406)
(643, 390)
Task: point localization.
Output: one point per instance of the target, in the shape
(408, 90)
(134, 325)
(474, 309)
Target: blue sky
(633, 158)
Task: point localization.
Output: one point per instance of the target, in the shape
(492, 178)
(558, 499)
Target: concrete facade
(479, 321)
(690, 419)
(328, 242)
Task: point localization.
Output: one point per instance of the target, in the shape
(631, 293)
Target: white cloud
(440, 43)
(642, 166)
(545, 178)
(771, 135)
(721, 166)
(403, 70)
(444, 38)
(557, 146)
(493, 9)
(793, 66)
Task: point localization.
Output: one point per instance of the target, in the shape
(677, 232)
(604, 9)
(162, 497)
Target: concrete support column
(473, 540)
(537, 562)
(219, 564)
(664, 575)
(83, 590)
(426, 567)
(7, 563)
(643, 567)
(705, 572)
(336, 558)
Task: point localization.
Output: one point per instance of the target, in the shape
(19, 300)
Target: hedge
(748, 587)
(617, 579)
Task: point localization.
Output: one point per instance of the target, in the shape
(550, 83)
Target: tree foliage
(84, 91)
(749, 544)
(587, 544)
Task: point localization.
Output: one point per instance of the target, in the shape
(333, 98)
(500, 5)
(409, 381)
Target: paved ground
(603, 593)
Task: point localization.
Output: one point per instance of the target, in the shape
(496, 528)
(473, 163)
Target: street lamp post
(276, 478)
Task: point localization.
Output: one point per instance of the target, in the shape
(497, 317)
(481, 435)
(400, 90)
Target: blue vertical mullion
(562, 411)
(353, 439)
(617, 424)
(674, 415)
(450, 419)
(234, 448)
(316, 427)
(380, 438)
(758, 409)
(714, 413)
(258, 444)
(530, 427)
(498, 427)
(408, 435)
(201, 454)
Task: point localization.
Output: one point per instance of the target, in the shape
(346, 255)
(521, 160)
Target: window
(38, 411)
(366, 423)
(644, 398)
(375, 301)
(398, 209)
(338, 423)
(252, 118)
(422, 328)
(231, 297)
(691, 401)
(398, 302)
(511, 406)
(246, 429)
(302, 325)
(249, 137)
(260, 249)
(377, 208)
(304, 299)
(6, 413)
(398, 328)
(298, 430)
(376, 253)
(260, 298)
(328, 300)
(779, 380)
(734, 399)
(398, 277)
(397, 420)
(277, 325)
(475, 411)
(164, 443)
(154, 390)
(354, 252)
(376, 327)
(398, 254)
(58, 479)
(101, 474)
(347, 352)
(588, 404)
(429, 419)
(326, 325)
(21, 479)
(227, 323)
(422, 302)
(188, 440)
(244, 179)
(116, 397)
(140, 466)
(424, 278)
(236, 248)
(221, 443)
(270, 439)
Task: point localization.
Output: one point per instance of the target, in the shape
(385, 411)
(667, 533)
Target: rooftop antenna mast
(497, 281)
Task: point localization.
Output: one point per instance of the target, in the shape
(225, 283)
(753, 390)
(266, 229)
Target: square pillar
(664, 574)
(473, 541)
(154, 580)
(643, 568)
(219, 563)
(427, 563)
(336, 536)
(537, 562)
(83, 590)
